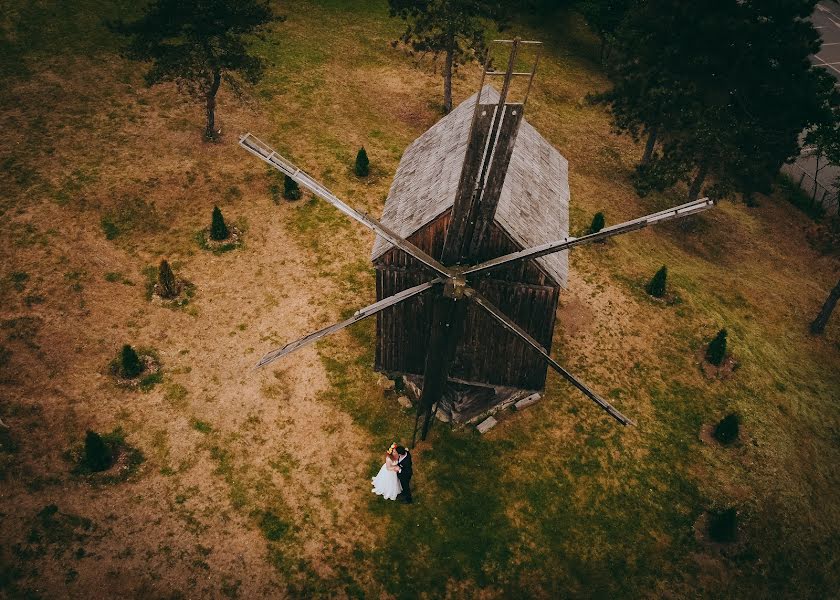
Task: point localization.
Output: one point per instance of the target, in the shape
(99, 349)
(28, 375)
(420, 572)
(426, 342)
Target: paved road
(826, 19)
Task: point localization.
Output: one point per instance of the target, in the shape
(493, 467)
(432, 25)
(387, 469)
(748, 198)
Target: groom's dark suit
(404, 475)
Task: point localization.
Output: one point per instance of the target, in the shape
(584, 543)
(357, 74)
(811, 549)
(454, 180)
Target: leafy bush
(130, 365)
(656, 286)
(291, 191)
(166, 280)
(98, 456)
(723, 525)
(598, 223)
(727, 430)
(716, 351)
(362, 163)
(218, 229)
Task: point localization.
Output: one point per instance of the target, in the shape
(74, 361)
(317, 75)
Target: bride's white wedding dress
(386, 483)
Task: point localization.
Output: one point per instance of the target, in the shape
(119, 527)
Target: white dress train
(386, 483)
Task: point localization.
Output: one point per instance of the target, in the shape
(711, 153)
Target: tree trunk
(650, 144)
(816, 172)
(697, 184)
(447, 81)
(818, 326)
(210, 131)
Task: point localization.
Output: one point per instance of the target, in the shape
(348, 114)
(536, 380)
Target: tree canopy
(197, 44)
(725, 87)
(454, 28)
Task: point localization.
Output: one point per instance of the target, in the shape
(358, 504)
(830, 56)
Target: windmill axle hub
(454, 287)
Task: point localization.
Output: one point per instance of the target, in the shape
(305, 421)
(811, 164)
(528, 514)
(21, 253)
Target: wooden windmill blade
(362, 313)
(676, 212)
(488, 306)
(268, 155)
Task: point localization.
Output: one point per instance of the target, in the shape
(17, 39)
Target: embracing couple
(394, 478)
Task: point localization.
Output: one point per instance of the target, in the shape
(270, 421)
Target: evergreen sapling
(98, 456)
(726, 431)
(166, 281)
(291, 191)
(362, 163)
(656, 286)
(598, 223)
(723, 526)
(130, 365)
(218, 229)
(716, 351)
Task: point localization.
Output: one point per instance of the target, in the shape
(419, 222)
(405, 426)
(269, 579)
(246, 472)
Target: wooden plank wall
(487, 353)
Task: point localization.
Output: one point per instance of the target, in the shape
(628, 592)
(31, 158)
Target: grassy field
(255, 484)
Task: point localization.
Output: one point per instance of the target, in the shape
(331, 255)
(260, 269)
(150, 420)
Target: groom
(404, 473)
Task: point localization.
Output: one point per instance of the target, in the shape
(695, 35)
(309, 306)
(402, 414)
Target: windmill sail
(267, 154)
(360, 314)
(676, 212)
(516, 329)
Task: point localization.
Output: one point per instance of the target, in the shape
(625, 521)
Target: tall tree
(198, 44)
(604, 18)
(454, 28)
(824, 140)
(729, 111)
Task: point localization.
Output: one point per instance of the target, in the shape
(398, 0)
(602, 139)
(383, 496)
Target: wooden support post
(448, 317)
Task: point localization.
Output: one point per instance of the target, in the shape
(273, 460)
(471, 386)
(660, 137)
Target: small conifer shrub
(166, 280)
(98, 456)
(716, 351)
(130, 365)
(218, 229)
(362, 163)
(291, 191)
(656, 286)
(727, 430)
(598, 223)
(723, 526)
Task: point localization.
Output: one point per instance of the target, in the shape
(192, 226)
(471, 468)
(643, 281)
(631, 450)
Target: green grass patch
(131, 215)
(201, 426)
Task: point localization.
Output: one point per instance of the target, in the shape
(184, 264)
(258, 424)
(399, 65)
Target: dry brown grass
(225, 446)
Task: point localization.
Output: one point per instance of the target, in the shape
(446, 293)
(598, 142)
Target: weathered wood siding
(487, 353)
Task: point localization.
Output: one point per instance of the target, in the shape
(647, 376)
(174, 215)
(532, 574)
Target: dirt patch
(721, 372)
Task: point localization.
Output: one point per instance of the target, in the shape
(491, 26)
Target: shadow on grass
(457, 528)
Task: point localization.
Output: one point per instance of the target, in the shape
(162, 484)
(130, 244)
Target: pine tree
(130, 365)
(598, 223)
(218, 229)
(723, 525)
(291, 191)
(716, 351)
(198, 44)
(166, 281)
(98, 456)
(656, 286)
(727, 430)
(362, 163)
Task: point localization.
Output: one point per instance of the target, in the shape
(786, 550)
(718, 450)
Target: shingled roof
(534, 204)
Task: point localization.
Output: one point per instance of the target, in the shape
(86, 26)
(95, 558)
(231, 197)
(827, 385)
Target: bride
(386, 483)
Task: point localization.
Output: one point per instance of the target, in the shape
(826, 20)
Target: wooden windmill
(444, 281)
